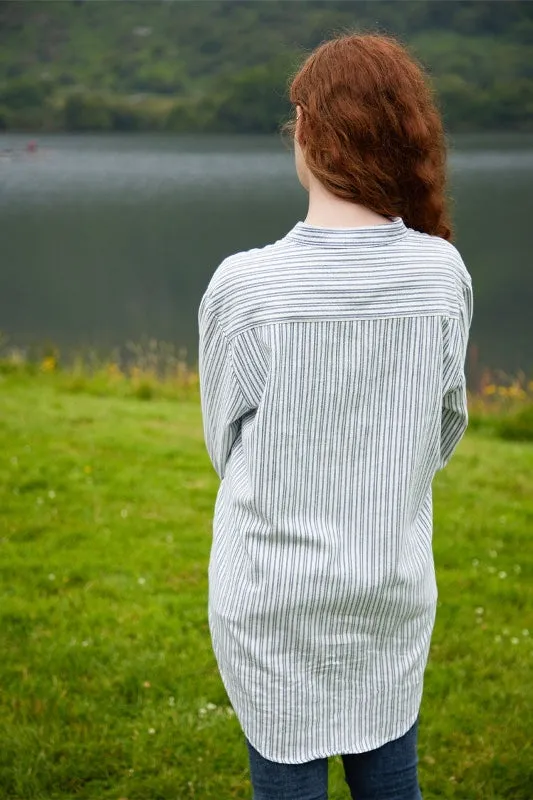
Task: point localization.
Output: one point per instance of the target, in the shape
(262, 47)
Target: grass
(109, 686)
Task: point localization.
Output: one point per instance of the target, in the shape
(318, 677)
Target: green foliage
(87, 112)
(23, 93)
(519, 426)
(109, 684)
(254, 100)
(223, 66)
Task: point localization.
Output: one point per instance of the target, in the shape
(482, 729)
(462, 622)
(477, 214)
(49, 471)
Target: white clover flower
(475, 562)
(525, 632)
(517, 568)
(493, 553)
(497, 638)
(514, 640)
(505, 631)
(202, 711)
(480, 610)
(51, 494)
(169, 538)
(85, 643)
(51, 577)
(230, 711)
(492, 570)
(502, 574)
(210, 706)
(141, 581)
(124, 513)
(171, 701)
(39, 501)
(151, 731)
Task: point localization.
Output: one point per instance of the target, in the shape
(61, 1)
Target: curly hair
(370, 129)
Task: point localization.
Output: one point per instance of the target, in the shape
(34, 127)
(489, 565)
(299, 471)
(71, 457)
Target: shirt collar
(368, 235)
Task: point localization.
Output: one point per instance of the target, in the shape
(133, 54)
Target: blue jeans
(388, 773)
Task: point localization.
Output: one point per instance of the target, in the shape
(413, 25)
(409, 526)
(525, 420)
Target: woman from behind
(333, 389)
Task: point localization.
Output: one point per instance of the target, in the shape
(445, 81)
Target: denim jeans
(388, 773)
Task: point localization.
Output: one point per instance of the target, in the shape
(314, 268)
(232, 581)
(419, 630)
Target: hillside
(222, 65)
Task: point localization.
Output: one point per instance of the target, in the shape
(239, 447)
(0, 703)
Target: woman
(333, 388)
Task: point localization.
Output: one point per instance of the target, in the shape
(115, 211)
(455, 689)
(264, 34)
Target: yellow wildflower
(48, 364)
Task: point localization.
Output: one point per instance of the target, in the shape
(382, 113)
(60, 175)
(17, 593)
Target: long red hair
(370, 129)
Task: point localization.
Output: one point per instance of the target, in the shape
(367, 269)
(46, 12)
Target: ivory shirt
(332, 389)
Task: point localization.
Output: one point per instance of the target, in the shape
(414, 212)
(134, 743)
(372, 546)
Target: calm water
(113, 238)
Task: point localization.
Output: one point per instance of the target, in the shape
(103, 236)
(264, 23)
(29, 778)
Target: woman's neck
(326, 210)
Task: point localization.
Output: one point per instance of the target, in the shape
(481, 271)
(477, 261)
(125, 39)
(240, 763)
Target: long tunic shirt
(332, 390)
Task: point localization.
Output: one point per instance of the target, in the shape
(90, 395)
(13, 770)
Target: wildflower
(171, 701)
(229, 711)
(51, 494)
(497, 638)
(525, 632)
(141, 581)
(480, 610)
(85, 643)
(39, 501)
(147, 684)
(492, 570)
(124, 513)
(475, 562)
(517, 568)
(502, 574)
(151, 731)
(505, 631)
(514, 640)
(169, 538)
(493, 553)
(210, 706)
(113, 370)
(48, 364)
(51, 577)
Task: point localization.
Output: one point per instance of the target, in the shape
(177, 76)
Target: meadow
(108, 684)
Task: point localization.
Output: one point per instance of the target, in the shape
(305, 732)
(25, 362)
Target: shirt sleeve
(222, 402)
(454, 416)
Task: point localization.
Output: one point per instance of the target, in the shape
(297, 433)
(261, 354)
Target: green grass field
(108, 683)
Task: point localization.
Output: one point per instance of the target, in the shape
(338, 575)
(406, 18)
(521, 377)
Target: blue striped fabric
(332, 389)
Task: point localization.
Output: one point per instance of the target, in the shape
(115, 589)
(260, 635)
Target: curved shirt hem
(371, 743)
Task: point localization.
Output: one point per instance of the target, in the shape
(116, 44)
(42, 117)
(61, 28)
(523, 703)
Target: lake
(113, 238)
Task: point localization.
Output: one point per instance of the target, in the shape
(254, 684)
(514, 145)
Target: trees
(222, 65)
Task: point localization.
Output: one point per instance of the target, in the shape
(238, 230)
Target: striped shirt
(332, 389)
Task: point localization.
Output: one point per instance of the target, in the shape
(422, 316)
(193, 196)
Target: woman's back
(332, 377)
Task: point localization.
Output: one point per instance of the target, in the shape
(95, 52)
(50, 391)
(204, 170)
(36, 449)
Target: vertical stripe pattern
(332, 390)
